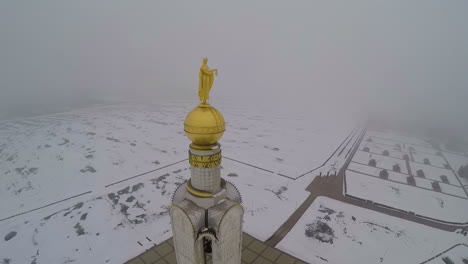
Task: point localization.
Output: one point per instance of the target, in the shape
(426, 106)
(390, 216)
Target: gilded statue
(206, 76)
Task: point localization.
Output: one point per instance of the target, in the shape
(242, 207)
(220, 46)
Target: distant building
(420, 173)
(444, 179)
(463, 171)
(383, 174)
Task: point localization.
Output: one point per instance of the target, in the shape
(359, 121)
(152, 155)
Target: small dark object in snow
(138, 186)
(83, 216)
(79, 229)
(320, 231)
(123, 209)
(88, 168)
(10, 235)
(327, 210)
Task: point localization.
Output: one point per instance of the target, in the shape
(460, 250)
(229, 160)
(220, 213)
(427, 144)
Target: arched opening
(206, 241)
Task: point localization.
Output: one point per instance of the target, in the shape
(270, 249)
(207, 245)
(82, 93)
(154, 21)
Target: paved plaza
(253, 252)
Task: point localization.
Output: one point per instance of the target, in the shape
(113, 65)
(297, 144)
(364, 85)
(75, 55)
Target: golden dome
(204, 125)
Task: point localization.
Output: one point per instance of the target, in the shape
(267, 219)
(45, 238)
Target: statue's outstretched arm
(207, 70)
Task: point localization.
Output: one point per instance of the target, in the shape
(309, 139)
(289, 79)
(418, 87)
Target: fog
(402, 60)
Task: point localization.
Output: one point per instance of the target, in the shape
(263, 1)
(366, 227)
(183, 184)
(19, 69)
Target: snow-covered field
(334, 232)
(394, 190)
(456, 161)
(94, 185)
(111, 227)
(394, 137)
(434, 173)
(434, 160)
(376, 148)
(408, 198)
(456, 254)
(382, 162)
(50, 158)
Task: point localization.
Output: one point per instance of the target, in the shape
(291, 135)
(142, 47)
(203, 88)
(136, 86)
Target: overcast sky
(399, 56)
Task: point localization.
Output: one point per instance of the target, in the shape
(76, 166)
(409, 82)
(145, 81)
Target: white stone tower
(206, 212)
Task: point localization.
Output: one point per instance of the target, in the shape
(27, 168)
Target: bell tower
(206, 213)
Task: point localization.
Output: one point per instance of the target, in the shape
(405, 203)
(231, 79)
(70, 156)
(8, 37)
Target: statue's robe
(206, 78)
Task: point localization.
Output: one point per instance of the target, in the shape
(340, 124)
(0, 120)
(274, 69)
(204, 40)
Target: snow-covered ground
(456, 254)
(394, 190)
(398, 137)
(402, 178)
(434, 173)
(434, 160)
(408, 198)
(456, 161)
(376, 148)
(94, 185)
(111, 227)
(334, 232)
(50, 158)
(382, 162)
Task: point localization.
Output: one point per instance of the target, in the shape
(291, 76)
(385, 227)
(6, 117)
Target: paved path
(253, 252)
